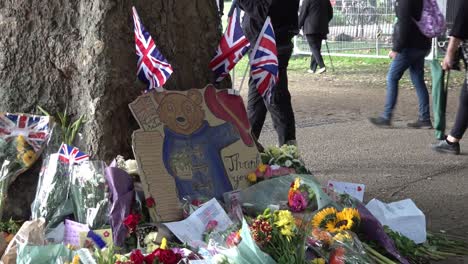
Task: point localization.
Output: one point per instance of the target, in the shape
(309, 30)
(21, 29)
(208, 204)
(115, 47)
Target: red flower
(131, 221)
(150, 203)
(106, 234)
(137, 257)
(167, 256)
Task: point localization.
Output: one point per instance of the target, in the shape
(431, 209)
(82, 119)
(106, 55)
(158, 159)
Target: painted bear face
(181, 113)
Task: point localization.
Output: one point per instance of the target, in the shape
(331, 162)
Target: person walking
(314, 17)
(284, 19)
(410, 47)
(458, 38)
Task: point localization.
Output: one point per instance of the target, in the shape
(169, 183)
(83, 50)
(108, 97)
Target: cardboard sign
(194, 143)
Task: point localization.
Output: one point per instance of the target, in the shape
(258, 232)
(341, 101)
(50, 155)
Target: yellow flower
(285, 221)
(342, 237)
(318, 261)
(297, 184)
(163, 243)
(347, 219)
(321, 219)
(29, 157)
(262, 168)
(76, 259)
(252, 177)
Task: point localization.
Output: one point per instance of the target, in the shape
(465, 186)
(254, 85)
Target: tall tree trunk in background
(81, 54)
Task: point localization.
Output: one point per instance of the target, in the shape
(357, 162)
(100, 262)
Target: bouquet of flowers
(22, 139)
(285, 156)
(89, 194)
(51, 201)
(265, 172)
(301, 197)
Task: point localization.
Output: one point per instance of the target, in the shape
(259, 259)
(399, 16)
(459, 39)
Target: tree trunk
(81, 54)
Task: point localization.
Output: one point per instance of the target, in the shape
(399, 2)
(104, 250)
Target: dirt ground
(337, 142)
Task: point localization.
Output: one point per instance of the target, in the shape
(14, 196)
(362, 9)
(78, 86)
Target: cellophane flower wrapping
(51, 201)
(275, 192)
(89, 194)
(342, 247)
(53, 253)
(22, 139)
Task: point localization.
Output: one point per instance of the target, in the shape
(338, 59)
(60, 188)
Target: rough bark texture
(55, 53)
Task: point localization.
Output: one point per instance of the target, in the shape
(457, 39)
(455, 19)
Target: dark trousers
(280, 107)
(461, 121)
(315, 44)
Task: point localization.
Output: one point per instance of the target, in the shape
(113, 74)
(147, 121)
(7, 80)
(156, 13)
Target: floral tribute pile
(86, 211)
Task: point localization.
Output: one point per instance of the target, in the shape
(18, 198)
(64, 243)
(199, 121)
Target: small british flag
(153, 68)
(264, 61)
(35, 129)
(231, 49)
(71, 155)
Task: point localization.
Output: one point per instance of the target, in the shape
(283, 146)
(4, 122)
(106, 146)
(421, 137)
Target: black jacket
(406, 33)
(283, 14)
(460, 27)
(315, 16)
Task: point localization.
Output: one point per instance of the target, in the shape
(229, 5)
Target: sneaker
(321, 70)
(444, 147)
(310, 71)
(421, 124)
(380, 121)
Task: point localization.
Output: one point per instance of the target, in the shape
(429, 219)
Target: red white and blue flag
(264, 61)
(71, 155)
(152, 68)
(35, 129)
(231, 49)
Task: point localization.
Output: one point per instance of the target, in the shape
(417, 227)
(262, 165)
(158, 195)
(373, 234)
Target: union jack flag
(152, 68)
(264, 61)
(35, 129)
(231, 49)
(69, 154)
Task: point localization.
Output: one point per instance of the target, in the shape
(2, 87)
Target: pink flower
(297, 202)
(268, 173)
(212, 224)
(233, 239)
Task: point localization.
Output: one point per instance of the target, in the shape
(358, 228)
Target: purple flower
(298, 202)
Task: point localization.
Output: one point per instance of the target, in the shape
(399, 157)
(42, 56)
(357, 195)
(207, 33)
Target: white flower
(220, 259)
(90, 196)
(132, 166)
(288, 163)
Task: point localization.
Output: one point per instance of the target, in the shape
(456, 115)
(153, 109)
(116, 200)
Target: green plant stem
(373, 252)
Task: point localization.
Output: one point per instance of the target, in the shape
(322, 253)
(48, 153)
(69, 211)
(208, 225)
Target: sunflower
(348, 219)
(323, 217)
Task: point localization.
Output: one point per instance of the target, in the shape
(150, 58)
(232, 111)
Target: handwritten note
(72, 232)
(191, 229)
(353, 189)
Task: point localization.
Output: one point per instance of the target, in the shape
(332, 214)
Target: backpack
(432, 22)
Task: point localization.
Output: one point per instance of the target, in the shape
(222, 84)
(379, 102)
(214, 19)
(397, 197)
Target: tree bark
(81, 54)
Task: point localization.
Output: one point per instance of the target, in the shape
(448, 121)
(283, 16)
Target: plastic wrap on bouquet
(89, 194)
(372, 229)
(31, 232)
(247, 251)
(122, 193)
(51, 201)
(275, 192)
(342, 247)
(22, 139)
(54, 253)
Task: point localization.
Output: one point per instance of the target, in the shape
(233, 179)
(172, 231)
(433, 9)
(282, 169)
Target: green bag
(439, 98)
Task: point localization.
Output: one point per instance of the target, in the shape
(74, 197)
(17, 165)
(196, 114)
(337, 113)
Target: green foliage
(69, 129)
(10, 226)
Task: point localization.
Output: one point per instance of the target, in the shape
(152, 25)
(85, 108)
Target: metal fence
(359, 28)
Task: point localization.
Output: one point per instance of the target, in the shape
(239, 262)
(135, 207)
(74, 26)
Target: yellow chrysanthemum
(252, 177)
(262, 168)
(29, 157)
(318, 261)
(163, 243)
(283, 218)
(326, 215)
(297, 184)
